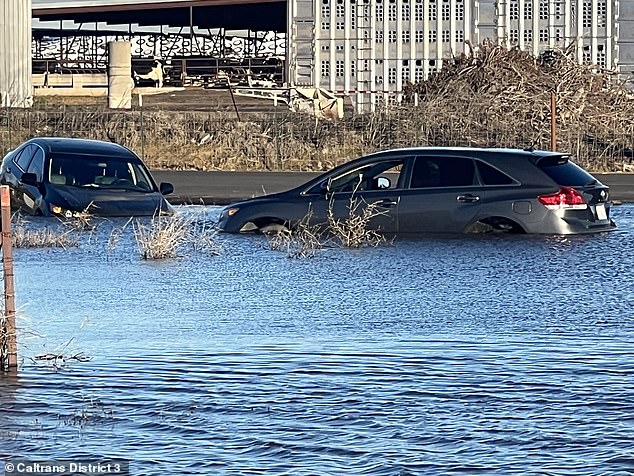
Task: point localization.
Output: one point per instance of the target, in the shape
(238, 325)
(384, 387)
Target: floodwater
(443, 355)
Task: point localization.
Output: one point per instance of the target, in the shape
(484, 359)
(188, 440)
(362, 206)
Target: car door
(32, 197)
(442, 196)
(13, 174)
(368, 190)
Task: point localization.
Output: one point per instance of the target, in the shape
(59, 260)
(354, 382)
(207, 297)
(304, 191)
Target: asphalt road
(221, 188)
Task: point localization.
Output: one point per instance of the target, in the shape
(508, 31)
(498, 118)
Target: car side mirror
(29, 179)
(383, 182)
(166, 188)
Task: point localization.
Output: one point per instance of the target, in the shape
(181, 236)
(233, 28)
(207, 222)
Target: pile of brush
(509, 91)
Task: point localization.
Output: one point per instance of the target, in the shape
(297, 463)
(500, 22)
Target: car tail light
(567, 198)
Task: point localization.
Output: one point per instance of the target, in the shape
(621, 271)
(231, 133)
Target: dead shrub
(165, 236)
(352, 231)
(355, 230)
(302, 241)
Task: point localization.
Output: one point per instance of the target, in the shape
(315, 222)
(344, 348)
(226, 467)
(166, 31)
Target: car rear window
(564, 172)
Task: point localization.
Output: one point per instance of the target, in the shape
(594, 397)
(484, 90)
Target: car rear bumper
(572, 222)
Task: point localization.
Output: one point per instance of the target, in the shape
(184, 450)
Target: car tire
(273, 229)
(495, 225)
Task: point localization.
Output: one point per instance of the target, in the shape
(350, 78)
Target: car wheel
(273, 229)
(495, 225)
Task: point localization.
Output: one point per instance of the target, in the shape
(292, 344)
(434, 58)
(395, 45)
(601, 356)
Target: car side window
(24, 159)
(492, 176)
(37, 164)
(432, 172)
(380, 175)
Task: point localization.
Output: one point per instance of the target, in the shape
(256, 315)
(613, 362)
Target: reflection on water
(441, 355)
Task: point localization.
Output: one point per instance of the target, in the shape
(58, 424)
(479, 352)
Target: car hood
(108, 202)
(261, 198)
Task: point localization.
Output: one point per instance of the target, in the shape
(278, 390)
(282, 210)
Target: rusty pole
(9, 289)
(233, 99)
(553, 122)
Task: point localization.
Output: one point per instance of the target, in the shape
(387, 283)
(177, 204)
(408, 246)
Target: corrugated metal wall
(15, 53)
(369, 49)
(624, 12)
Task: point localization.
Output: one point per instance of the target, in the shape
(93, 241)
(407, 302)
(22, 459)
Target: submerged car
(440, 189)
(64, 177)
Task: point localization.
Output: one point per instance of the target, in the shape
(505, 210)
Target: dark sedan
(439, 189)
(64, 177)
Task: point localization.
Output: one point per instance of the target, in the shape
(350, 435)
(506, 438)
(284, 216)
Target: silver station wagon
(441, 190)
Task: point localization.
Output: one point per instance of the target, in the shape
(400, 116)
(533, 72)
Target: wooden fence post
(11, 348)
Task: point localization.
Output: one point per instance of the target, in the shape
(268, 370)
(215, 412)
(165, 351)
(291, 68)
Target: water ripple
(443, 355)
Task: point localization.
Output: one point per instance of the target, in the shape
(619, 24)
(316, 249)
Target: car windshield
(99, 172)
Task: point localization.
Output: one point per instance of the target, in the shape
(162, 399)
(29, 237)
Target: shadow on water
(435, 355)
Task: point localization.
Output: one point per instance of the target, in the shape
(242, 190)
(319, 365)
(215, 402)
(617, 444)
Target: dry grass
(165, 236)
(4, 356)
(25, 236)
(81, 221)
(355, 230)
(303, 241)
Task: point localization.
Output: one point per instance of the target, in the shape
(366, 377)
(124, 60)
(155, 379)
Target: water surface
(443, 355)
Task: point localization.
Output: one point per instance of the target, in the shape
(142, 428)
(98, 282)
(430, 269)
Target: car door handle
(468, 198)
(387, 203)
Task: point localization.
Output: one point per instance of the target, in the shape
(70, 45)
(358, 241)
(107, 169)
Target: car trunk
(567, 174)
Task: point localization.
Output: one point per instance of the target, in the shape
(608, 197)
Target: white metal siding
(370, 49)
(15, 53)
(624, 31)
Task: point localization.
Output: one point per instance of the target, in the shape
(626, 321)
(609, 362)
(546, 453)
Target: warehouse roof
(259, 15)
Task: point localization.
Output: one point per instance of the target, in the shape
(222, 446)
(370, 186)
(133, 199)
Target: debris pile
(508, 92)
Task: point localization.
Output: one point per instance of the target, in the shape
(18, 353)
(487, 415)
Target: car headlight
(57, 210)
(231, 211)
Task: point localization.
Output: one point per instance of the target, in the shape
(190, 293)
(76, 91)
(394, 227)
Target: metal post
(9, 289)
(553, 122)
(142, 127)
(233, 99)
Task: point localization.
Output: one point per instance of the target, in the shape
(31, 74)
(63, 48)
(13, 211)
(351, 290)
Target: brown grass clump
(165, 236)
(26, 237)
(353, 231)
(303, 241)
(162, 237)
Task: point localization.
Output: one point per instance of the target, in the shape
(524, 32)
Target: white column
(535, 27)
(595, 31)
(426, 8)
(346, 46)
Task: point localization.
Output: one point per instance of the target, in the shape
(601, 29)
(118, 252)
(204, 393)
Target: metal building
(15, 53)
(369, 49)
